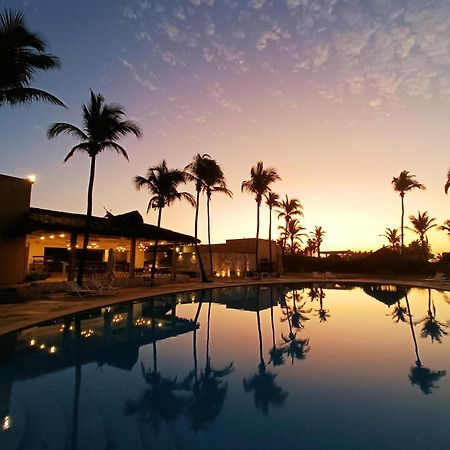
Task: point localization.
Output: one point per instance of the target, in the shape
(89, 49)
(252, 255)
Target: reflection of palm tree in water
(322, 313)
(76, 395)
(160, 400)
(400, 313)
(262, 383)
(209, 390)
(276, 353)
(425, 378)
(431, 326)
(297, 315)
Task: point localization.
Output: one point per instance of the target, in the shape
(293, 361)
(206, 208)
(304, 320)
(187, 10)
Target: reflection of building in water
(388, 294)
(107, 336)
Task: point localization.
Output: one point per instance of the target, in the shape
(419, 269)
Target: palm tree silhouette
(214, 182)
(102, 128)
(318, 234)
(162, 184)
(447, 183)
(400, 313)
(292, 232)
(272, 201)
(424, 377)
(445, 227)
(201, 168)
(23, 55)
(421, 225)
(265, 391)
(259, 184)
(392, 236)
(295, 315)
(432, 328)
(289, 208)
(403, 183)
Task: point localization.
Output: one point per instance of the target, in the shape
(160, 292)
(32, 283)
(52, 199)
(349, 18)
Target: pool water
(283, 366)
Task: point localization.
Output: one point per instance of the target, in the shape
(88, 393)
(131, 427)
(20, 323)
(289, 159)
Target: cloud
(145, 82)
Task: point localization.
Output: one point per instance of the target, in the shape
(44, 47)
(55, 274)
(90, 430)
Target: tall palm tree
(421, 225)
(445, 227)
(392, 236)
(102, 128)
(214, 181)
(289, 208)
(198, 170)
(403, 183)
(319, 234)
(259, 185)
(272, 201)
(162, 184)
(293, 232)
(22, 55)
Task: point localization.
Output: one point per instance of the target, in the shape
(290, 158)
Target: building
(236, 257)
(35, 238)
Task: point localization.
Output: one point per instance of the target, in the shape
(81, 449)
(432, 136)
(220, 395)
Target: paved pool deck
(16, 316)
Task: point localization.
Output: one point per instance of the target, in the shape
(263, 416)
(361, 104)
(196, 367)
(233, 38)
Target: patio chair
(73, 288)
(96, 287)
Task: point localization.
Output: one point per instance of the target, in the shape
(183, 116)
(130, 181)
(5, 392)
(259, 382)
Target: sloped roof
(125, 225)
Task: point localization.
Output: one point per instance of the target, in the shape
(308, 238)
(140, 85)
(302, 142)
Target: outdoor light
(42, 346)
(32, 342)
(6, 425)
(31, 178)
(62, 235)
(52, 236)
(42, 238)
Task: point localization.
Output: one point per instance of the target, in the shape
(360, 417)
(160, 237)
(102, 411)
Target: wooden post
(132, 256)
(71, 270)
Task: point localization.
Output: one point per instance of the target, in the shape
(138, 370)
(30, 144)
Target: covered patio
(54, 240)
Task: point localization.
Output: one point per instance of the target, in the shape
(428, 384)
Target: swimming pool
(283, 366)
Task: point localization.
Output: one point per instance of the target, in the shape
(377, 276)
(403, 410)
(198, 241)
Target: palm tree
(431, 326)
(272, 201)
(447, 184)
(198, 170)
(445, 227)
(403, 183)
(22, 55)
(102, 128)
(318, 237)
(259, 185)
(394, 239)
(421, 224)
(214, 181)
(292, 232)
(288, 209)
(162, 184)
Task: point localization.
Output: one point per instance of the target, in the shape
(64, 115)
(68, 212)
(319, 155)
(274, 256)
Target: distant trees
(103, 126)
(259, 185)
(23, 55)
(272, 201)
(162, 184)
(288, 210)
(405, 182)
(319, 234)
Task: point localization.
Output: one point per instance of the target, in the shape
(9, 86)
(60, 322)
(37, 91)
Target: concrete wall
(15, 196)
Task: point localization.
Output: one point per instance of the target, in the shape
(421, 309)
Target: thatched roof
(125, 225)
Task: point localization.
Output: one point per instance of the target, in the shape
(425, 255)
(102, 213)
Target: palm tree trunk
(403, 216)
(83, 255)
(257, 236)
(208, 199)
(258, 320)
(292, 245)
(155, 248)
(202, 269)
(270, 239)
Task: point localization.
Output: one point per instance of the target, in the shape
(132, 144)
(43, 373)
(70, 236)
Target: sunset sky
(338, 95)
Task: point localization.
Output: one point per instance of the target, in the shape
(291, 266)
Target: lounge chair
(73, 288)
(99, 289)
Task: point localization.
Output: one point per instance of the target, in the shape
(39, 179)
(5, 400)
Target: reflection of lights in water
(117, 318)
(42, 346)
(6, 423)
(142, 322)
(159, 324)
(52, 349)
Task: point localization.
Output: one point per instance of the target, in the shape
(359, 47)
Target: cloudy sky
(338, 95)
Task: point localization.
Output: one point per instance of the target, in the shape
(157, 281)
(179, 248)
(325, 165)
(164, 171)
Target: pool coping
(56, 307)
